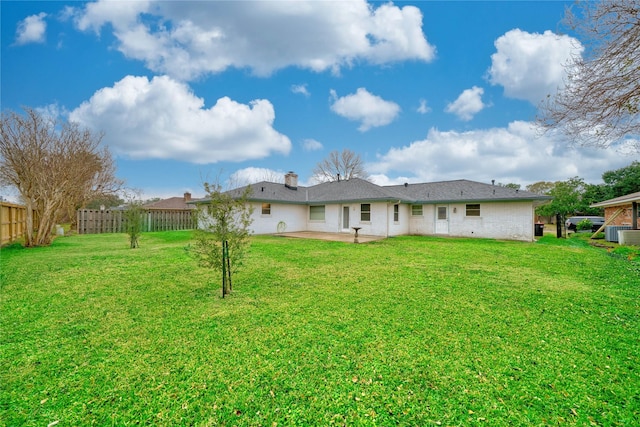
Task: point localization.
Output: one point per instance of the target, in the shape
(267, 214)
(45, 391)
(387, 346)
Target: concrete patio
(335, 237)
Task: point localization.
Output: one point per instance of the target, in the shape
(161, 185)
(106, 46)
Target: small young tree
(133, 217)
(222, 235)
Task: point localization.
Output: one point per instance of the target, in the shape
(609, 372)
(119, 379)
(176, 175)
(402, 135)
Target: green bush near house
(405, 331)
(583, 225)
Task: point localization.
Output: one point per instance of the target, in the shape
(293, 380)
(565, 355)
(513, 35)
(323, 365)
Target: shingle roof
(354, 189)
(462, 190)
(273, 192)
(359, 190)
(177, 203)
(622, 200)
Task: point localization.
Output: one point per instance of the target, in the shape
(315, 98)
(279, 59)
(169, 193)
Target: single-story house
(451, 208)
(621, 213)
(621, 210)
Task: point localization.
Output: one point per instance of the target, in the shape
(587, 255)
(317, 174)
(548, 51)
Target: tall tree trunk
(28, 235)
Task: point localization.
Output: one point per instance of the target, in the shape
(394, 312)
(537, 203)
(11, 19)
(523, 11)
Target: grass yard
(410, 331)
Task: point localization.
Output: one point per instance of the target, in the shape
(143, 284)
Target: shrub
(585, 224)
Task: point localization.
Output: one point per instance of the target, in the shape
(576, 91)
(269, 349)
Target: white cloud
(423, 108)
(190, 39)
(311, 144)
(362, 106)
(517, 153)
(468, 104)
(163, 119)
(121, 14)
(32, 29)
(252, 175)
(53, 112)
(300, 89)
(531, 66)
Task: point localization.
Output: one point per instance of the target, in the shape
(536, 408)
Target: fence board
(13, 222)
(91, 221)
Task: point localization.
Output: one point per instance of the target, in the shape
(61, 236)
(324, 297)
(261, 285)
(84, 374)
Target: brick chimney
(187, 196)
(291, 180)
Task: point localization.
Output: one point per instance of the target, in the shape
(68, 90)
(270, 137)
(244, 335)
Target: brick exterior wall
(623, 219)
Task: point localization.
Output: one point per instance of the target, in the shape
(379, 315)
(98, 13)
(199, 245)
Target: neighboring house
(621, 211)
(450, 208)
(172, 203)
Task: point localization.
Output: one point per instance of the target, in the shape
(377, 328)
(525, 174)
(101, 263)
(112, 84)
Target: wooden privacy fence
(91, 221)
(13, 222)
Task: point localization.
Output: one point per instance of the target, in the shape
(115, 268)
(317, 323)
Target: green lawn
(413, 331)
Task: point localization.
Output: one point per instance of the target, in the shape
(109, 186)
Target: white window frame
(365, 213)
(319, 213)
(471, 208)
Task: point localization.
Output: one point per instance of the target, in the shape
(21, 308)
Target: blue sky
(187, 92)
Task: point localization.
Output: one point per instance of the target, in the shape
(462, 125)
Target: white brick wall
(499, 220)
(294, 216)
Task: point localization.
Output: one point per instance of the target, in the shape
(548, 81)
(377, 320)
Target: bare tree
(600, 101)
(344, 165)
(56, 167)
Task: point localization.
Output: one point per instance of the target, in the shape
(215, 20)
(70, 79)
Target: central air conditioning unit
(611, 232)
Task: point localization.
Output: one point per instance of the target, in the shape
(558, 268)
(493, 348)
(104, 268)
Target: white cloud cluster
(531, 66)
(517, 153)
(370, 110)
(301, 89)
(468, 104)
(190, 39)
(423, 108)
(162, 118)
(252, 175)
(31, 29)
(311, 144)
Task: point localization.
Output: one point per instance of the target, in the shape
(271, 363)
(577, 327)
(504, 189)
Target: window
(266, 209)
(416, 210)
(396, 213)
(473, 210)
(365, 212)
(316, 213)
(442, 212)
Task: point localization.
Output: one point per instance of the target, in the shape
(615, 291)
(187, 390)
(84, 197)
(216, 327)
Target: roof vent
(406, 184)
(493, 182)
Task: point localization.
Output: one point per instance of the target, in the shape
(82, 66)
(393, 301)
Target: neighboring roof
(172, 203)
(622, 200)
(360, 190)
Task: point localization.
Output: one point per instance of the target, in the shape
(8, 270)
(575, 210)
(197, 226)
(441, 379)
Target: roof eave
(484, 200)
